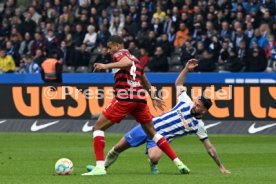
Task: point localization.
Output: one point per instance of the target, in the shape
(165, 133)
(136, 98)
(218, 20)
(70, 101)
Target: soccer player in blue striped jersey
(184, 118)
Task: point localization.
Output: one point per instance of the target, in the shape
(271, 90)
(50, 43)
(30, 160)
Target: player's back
(128, 84)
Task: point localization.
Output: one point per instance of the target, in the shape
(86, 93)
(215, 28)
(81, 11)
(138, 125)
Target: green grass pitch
(30, 158)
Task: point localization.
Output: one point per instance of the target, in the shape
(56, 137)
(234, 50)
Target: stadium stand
(225, 36)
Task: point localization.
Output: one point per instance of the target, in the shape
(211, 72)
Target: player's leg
(113, 154)
(113, 113)
(143, 116)
(99, 139)
(99, 143)
(164, 145)
(154, 155)
(135, 137)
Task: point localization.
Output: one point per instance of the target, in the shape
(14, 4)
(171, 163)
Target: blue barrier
(156, 78)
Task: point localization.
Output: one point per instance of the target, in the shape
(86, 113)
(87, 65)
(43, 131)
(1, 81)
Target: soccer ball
(64, 166)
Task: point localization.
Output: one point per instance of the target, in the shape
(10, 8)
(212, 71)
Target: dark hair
(206, 102)
(116, 39)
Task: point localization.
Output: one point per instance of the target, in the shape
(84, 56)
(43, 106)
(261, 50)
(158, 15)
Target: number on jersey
(133, 71)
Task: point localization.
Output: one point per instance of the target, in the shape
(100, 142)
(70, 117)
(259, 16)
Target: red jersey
(128, 84)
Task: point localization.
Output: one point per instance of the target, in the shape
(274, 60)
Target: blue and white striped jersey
(179, 121)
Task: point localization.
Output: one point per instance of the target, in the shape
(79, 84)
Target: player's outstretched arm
(157, 102)
(190, 65)
(213, 153)
(123, 63)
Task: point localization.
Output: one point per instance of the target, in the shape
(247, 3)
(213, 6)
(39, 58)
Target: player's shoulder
(118, 54)
(121, 52)
(200, 123)
(183, 96)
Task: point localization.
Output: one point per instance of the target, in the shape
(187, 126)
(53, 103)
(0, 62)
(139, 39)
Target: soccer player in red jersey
(130, 98)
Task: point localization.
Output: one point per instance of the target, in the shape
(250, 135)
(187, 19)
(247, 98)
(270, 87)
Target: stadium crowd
(224, 35)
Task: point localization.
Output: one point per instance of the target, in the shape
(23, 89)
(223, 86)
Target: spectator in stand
(51, 42)
(78, 36)
(30, 66)
(210, 30)
(215, 47)
(117, 15)
(270, 5)
(159, 14)
(181, 35)
(157, 27)
(237, 37)
(188, 52)
(7, 64)
(131, 26)
(65, 54)
(249, 31)
(264, 30)
(26, 44)
(39, 43)
(270, 52)
(16, 38)
(28, 25)
(150, 44)
(103, 36)
(35, 16)
(103, 58)
(165, 44)
(144, 57)
(39, 57)
(133, 49)
(159, 62)
(116, 27)
(261, 40)
(206, 64)
(168, 23)
(82, 57)
(90, 37)
(234, 63)
(124, 6)
(225, 31)
(223, 55)
(242, 52)
(142, 35)
(256, 62)
(13, 52)
(199, 50)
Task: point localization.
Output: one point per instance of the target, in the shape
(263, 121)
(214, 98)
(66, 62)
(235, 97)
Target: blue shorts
(136, 137)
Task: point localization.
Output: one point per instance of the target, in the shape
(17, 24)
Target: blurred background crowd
(224, 35)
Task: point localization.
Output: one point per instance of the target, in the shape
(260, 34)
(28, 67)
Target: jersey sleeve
(184, 97)
(202, 132)
(117, 56)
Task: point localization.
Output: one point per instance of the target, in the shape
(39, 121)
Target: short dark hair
(206, 102)
(116, 39)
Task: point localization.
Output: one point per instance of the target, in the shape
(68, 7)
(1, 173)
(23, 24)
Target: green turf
(30, 158)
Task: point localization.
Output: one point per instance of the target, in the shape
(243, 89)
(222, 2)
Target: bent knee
(154, 159)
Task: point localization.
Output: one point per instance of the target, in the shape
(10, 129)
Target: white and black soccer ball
(64, 166)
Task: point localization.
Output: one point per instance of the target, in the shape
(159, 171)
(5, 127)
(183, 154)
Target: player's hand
(152, 92)
(224, 171)
(158, 103)
(191, 64)
(99, 66)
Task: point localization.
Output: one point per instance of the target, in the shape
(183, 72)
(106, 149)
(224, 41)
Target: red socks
(99, 145)
(163, 144)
